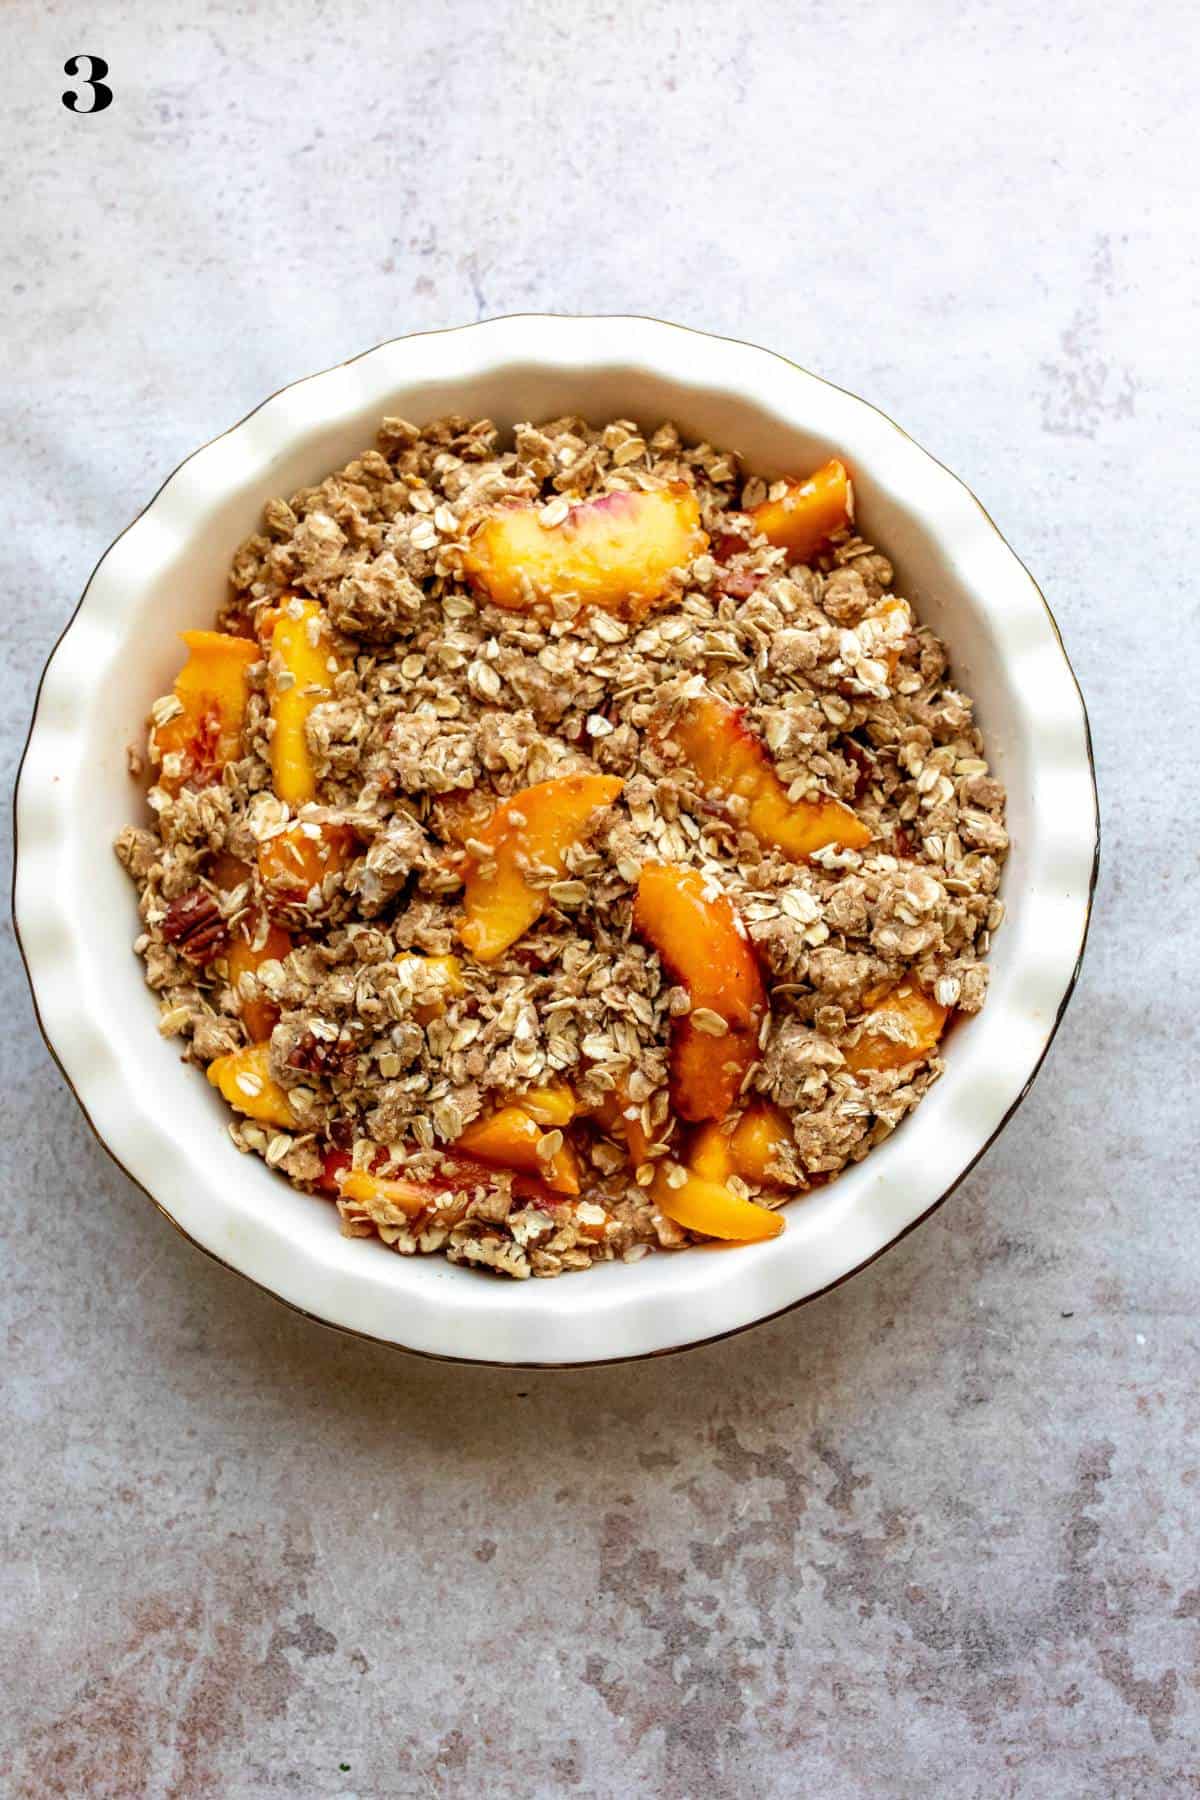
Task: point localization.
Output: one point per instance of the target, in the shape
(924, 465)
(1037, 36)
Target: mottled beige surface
(934, 1535)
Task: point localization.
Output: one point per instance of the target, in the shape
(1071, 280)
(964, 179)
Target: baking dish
(75, 909)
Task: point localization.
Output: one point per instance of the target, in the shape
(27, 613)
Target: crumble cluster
(444, 704)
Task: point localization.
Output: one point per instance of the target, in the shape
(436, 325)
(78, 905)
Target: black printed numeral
(97, 69)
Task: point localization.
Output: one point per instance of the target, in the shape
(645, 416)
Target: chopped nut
(431, 701)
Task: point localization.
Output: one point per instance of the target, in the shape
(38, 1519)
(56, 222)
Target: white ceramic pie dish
(75, 910)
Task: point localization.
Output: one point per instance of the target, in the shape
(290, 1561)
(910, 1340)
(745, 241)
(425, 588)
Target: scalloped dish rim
(164, 1126)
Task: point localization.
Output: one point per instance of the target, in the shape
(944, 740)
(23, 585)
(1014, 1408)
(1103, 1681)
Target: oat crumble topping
(312, 950)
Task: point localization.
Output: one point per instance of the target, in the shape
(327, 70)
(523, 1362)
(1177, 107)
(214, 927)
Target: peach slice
(762, 1130)
(334, 1164)
(550, 1106)
(748, 1151)
(916, 1017)
(211, 690)
(810, 512)
(710, 1153)
(616, 552)
(534, 828)
(448, 981)
(591, 1219)
(448, 1192)
(733, 764)
(298, 678)
(511, 1139)
(408, 1197)
(249, 947)
(885, 617)
(244, 1078)
(702, 944)
(622, 1117)
(715, 1210)
(299, 857)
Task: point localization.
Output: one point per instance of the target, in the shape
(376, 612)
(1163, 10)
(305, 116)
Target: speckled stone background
(935, 1534)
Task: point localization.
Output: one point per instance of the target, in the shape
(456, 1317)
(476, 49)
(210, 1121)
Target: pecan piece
(738, 584)
(315, 1056)
(864, 765)
(727, 544)
(193, 923)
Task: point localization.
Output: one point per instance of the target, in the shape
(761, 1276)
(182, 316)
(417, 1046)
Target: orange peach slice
(733, 764)
(511, 1139)
(748, 1151)
(244, 1078)
(250, 946)
(532, 829)
(715, 1210)
(616, 552)
(409, 1197)
(591, 1220)
(912, 1023)
(759, 1134)
(808, 514)
(447, 981)
(448, 1192)
(211, 691)
(249, 949)
(387, 1199)
(299, 857)
(702, 944)
(710, 1154)
(549, 1106)
(889, 615)
(298, 678)
(620, 1116)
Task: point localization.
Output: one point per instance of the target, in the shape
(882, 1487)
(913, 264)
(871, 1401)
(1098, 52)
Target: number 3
(97, 70)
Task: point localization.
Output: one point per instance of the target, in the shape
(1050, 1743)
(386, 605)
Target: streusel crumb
(705, 966)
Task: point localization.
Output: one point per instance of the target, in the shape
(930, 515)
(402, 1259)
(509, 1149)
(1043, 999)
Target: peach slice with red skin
(809, 513)
(211, 690)
(702, 944)
(616, 552)
(409, 1197)
(334, 1164)
(733, 764)
(918, 1020)
(534, 828)
(448, 1192)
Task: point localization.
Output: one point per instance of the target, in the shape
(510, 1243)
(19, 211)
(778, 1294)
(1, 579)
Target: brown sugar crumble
(566, 847)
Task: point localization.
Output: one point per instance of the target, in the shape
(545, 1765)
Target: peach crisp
(564, 845)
